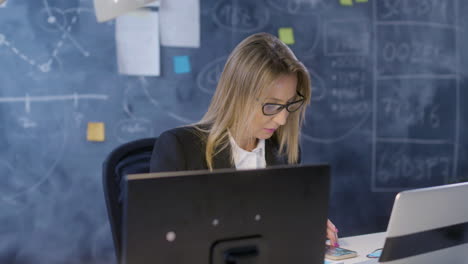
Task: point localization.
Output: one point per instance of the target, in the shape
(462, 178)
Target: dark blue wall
(388, 110)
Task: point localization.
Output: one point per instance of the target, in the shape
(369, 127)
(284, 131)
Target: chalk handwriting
(409, 113)
(421, 10)
(392, 167)
(236, 17)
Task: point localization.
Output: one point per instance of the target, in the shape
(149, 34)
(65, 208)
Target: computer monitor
(428, 225)
(275, 215)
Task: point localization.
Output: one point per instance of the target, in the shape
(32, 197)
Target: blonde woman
(254, 118)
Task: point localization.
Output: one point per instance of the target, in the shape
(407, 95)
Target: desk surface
(363, 245)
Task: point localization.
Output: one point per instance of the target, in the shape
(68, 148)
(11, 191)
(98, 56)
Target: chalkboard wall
(388, 109)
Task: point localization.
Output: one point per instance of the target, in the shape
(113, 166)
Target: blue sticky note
(181, 64)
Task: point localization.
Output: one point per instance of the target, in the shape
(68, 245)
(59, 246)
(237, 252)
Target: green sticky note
(346, 2)
(361, 1)
(286, 35)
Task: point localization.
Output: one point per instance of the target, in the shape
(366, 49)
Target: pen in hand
(332, 234)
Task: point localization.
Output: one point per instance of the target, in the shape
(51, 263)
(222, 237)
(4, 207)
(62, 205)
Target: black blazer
(182, 149)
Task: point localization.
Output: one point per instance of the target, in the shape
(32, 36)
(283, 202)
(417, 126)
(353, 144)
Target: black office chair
(132, 157)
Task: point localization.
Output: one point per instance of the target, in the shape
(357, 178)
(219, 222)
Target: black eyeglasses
(270, 109)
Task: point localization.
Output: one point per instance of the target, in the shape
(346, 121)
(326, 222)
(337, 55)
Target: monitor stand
(247, 250)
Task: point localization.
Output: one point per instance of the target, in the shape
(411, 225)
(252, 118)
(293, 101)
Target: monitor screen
(272, 215)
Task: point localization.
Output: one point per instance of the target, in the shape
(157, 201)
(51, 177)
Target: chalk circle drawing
(52, 19)
(335, 112)
(132, 129)
(299, 6)
(208, 78)
(246, 17)
(318, 86)
(167, 99)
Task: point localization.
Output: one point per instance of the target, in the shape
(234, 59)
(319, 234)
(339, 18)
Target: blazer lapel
(271, 154)
(223, 159)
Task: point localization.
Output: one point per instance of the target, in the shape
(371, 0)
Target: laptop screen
(428, 225)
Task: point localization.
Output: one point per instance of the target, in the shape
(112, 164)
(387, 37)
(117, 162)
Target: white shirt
(244, 159)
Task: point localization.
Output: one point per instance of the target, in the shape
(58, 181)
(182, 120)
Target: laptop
(275, 215)
(428, 225)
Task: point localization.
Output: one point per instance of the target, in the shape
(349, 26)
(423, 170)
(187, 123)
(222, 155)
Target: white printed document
(137, 39)
(180, 23)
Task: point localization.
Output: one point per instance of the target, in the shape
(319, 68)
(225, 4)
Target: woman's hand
(332, 234)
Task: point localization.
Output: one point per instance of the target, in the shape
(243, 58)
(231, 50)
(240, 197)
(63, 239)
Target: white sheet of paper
(110, 9)
(3, 4)
(137, 37)
(180, 23)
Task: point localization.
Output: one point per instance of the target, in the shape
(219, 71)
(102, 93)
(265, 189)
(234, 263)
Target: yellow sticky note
(286, 35)
(346, 2)
(96, 131)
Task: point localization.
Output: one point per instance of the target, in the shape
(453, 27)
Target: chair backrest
(129, 158)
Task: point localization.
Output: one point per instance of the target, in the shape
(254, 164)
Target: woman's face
(282, 91)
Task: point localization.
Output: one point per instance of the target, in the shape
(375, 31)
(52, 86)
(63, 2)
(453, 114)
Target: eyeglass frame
(285, 106)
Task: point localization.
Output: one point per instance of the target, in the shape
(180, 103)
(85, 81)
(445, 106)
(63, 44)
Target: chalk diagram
(341, 102)
(245, 17)
(39, 138)
(300, 6)
(176, 100)
(209, 75)
(51, 19)
(302, 11)
(18, 179)
(418, 143)
(134, 126)
(335, 112)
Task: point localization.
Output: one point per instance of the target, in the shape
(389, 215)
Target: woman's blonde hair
(251, 68)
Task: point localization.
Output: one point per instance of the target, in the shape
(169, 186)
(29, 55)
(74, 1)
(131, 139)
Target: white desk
(363, 245)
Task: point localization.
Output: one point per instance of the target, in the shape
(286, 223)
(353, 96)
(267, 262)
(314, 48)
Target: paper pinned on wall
(110, 9)
(180, 23)
(137, 37)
